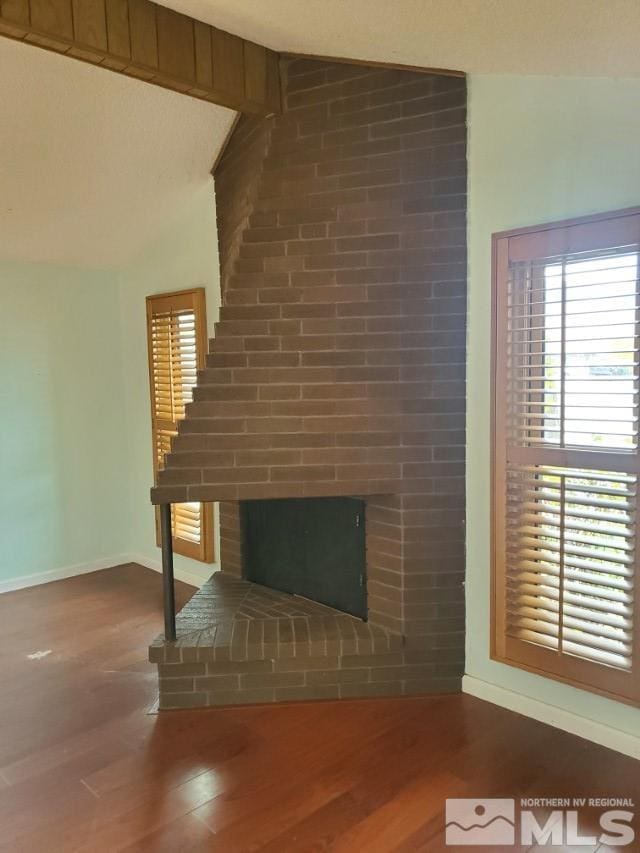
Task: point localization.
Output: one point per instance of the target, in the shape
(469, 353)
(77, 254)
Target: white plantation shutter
(176, 327)
(566, 466)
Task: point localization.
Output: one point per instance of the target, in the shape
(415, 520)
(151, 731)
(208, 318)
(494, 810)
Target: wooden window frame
(194, 299)
(588, 233)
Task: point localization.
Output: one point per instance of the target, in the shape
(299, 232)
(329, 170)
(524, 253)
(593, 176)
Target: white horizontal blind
(573, 364)
(568, 349)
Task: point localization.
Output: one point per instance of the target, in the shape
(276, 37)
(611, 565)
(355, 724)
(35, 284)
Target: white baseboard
(193, 578)
(588, 729)
(60, 574)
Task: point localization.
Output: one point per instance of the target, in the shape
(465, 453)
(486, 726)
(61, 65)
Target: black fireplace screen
(313, 547)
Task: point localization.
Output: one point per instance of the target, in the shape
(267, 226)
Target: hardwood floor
(84, 767)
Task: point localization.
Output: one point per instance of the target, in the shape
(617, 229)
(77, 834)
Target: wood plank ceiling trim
(144, 40)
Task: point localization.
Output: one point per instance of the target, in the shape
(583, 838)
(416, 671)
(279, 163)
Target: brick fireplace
(337, 369)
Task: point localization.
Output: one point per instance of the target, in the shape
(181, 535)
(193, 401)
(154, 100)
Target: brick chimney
(338, 365)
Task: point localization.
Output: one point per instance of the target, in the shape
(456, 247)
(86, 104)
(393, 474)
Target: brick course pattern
(338, 365)
(240, 643)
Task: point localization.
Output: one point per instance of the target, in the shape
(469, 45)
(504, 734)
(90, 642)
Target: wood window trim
(193, 299)
(588, 233)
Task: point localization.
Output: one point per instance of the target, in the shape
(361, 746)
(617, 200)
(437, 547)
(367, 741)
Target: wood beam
(144, 40)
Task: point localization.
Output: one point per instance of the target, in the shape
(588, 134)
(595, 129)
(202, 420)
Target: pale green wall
(185, 256)
(75, 455)
(61, 402)
(540, 149)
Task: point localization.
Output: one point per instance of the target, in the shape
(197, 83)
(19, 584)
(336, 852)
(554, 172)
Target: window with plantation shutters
(566, 373)
(177, 334)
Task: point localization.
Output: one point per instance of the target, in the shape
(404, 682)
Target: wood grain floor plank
(85, 769)
(185, 834)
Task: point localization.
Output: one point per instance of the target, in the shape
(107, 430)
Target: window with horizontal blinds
(176, 330)
(566, 374)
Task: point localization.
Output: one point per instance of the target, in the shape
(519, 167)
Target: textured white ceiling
(573, 37)
(94, 165)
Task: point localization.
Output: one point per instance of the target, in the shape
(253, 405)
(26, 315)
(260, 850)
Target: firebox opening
(312, 547)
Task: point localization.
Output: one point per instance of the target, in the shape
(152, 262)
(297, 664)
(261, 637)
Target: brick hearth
(239, 642)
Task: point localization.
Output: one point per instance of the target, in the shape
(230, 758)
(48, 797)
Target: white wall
(540, 149)
(62, 454)
(185, 256)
